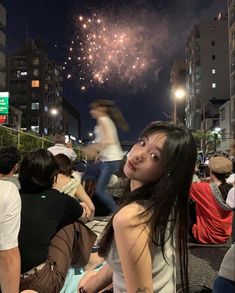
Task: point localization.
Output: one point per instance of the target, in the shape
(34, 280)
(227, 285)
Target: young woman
(71, 186)
(50, 234)
(139, 241)
(107, 146)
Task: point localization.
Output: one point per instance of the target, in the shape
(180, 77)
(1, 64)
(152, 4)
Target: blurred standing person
(61, 148)
(10, 208)
(107, 145)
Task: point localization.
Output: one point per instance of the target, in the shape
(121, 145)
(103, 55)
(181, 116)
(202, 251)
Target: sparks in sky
(104, 52)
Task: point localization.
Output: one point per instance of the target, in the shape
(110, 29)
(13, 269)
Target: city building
(34, 85)
(207, 75)
(178, 75)
(231, 27)
(71, 121)
(15, 117)
(225, 128)
(2, 45)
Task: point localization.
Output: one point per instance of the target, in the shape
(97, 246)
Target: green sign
(4, 103)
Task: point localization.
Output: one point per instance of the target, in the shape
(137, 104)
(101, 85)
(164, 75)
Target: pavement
(204, 262)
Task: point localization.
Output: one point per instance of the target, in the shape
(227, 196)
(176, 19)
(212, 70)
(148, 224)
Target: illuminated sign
(3, 119)
(4, 103)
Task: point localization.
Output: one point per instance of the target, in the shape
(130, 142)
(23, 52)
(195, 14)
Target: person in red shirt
(212, 221)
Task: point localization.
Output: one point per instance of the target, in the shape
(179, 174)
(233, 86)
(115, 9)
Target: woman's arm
(133, 249)
(10, 270)
(81, 194)
(94, 281)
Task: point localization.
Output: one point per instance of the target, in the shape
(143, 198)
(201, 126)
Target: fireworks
(105, 52)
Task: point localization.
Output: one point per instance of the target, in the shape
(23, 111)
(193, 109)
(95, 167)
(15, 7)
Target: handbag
(83, 244)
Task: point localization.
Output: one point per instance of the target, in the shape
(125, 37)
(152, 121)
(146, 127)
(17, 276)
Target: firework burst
(104, 52)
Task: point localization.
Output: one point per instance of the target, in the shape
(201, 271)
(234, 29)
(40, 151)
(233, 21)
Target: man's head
(9, 159)
(59, 137)
(220, 165)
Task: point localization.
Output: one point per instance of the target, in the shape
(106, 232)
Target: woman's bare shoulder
(128, 215)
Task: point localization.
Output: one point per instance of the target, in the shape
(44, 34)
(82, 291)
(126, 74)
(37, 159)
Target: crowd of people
(44, 210)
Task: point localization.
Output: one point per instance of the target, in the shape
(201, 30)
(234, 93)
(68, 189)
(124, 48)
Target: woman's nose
(139, 157)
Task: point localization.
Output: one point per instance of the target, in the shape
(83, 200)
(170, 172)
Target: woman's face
(94, 112)
(97, 111)
(144, 161)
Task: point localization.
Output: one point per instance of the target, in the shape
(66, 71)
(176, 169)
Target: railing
(26, 141)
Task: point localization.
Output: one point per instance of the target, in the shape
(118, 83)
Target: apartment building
(207, 72)
(34, 84)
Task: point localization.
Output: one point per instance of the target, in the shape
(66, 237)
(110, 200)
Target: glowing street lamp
(54, 111)
(179, 94)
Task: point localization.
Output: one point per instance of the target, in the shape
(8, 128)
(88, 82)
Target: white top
(10, 209)
(62, 149)
(163, 270)
(231, 179)
(106, 135)
(231, 198)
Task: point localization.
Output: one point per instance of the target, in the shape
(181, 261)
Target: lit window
(35, 106)
(213, 85)
(35, 83)
(24, 73)
(213, 71)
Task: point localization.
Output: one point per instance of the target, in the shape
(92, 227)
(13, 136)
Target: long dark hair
(168, 196)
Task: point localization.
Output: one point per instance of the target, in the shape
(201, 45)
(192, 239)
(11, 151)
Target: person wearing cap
(211, 220)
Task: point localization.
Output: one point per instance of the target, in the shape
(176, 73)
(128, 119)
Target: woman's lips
(131, 165)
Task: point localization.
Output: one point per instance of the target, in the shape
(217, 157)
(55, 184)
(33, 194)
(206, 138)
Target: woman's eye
(154, 156)
(142, 142)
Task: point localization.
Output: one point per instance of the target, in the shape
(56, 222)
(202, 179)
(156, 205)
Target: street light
(54, 112)
(179, 94)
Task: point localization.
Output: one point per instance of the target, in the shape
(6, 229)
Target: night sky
(160, 29)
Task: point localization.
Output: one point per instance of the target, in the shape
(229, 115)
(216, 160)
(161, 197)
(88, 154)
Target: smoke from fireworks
(103, 52)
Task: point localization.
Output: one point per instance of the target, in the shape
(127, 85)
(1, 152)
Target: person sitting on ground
(50, 234)
(139, 241)
(71, 186)
(61, 148)
(9, 164)
(10, 208)
(211, 219)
